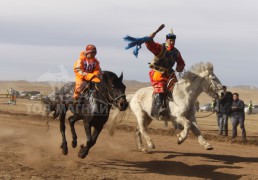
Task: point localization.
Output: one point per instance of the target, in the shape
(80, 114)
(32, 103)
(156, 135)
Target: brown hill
(246, 93)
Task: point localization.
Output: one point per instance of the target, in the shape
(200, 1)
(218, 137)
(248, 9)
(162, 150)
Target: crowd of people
(229, 105)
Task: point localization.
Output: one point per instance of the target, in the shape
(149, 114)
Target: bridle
(111, 100)
(114, 100)
(212, 85)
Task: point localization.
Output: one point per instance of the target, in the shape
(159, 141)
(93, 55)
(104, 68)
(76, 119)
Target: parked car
(28, 94)
(254, 110)
(36, 97)
(206, 107)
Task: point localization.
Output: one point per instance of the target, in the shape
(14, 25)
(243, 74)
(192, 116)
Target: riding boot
(162, 109)
(157, 105)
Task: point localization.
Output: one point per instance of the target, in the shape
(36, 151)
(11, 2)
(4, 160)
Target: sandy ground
(29, 150)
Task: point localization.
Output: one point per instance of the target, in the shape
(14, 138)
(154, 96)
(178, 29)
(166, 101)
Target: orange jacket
(86, 69)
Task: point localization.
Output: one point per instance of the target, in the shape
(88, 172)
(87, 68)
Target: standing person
(165, 56)
(250, 108)
(197, 106)
(12, 96)
(238, 117)
(217, 110)
(225, 109)
(86, 69)
(213, 103)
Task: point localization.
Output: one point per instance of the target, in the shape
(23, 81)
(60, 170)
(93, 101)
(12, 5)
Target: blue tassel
(137, 42)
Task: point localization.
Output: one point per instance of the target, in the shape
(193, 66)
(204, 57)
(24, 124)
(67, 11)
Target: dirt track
(29, 151)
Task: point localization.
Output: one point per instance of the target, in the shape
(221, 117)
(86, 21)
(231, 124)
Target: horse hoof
(82, 156)
(179, 142)
(209, 147)
(142, 149)
(147, 152)
(83, 152)
(64, 149)
(151, 146)
(74, 144)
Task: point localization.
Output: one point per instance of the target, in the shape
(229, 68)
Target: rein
(110, 97)
(115, 99)
(206, 115)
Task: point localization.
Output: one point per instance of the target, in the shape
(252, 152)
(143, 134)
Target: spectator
(250, 108)
(216, 104)
(197, 106)
(238, 117)
(12, 94)
(225, 110)
(213, 104)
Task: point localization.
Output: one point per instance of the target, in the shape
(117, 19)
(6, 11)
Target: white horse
(200, 78)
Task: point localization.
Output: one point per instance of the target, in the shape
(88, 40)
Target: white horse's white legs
(138, 138)
(195, 129)
(143, 122)
(184, 133)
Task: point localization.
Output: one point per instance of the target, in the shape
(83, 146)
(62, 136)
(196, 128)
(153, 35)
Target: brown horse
(109, 92)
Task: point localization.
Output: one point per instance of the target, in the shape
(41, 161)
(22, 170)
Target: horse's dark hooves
(179, 142)
(74, 144)
(209, 148)
(83, 152)
(64, 149)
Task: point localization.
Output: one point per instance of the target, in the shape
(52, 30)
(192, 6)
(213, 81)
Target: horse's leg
(95, 134)
(184, 133)
(195, 129)
(72, 119)
(143, 122)
(62, 130)
(138, 138)
(85, 149)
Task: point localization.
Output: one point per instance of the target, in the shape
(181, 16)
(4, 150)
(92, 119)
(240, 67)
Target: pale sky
(41, 37)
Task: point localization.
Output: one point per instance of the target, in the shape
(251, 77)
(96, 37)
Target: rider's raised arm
(154, 47)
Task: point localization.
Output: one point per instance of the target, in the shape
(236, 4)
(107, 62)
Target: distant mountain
(247, 87)
(135, 83)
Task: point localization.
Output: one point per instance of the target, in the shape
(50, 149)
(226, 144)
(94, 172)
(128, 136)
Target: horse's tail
(119, 116)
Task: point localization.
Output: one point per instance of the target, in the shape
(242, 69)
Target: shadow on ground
(177, 168)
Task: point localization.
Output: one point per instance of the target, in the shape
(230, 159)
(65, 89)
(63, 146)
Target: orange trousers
(79, 86)
(162, 83)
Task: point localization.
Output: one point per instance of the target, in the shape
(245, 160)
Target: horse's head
(115, 90)
(211, 84)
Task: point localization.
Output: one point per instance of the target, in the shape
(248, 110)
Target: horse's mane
(197, 69)
(108, 74)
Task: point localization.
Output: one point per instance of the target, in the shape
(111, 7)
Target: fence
(4, 95)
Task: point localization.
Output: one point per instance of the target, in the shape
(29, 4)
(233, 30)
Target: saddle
(86, 103)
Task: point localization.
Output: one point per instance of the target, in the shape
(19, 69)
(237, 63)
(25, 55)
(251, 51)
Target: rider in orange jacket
(86, 69)
(162, 75)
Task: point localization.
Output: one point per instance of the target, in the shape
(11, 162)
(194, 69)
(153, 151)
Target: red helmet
(90, 48)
